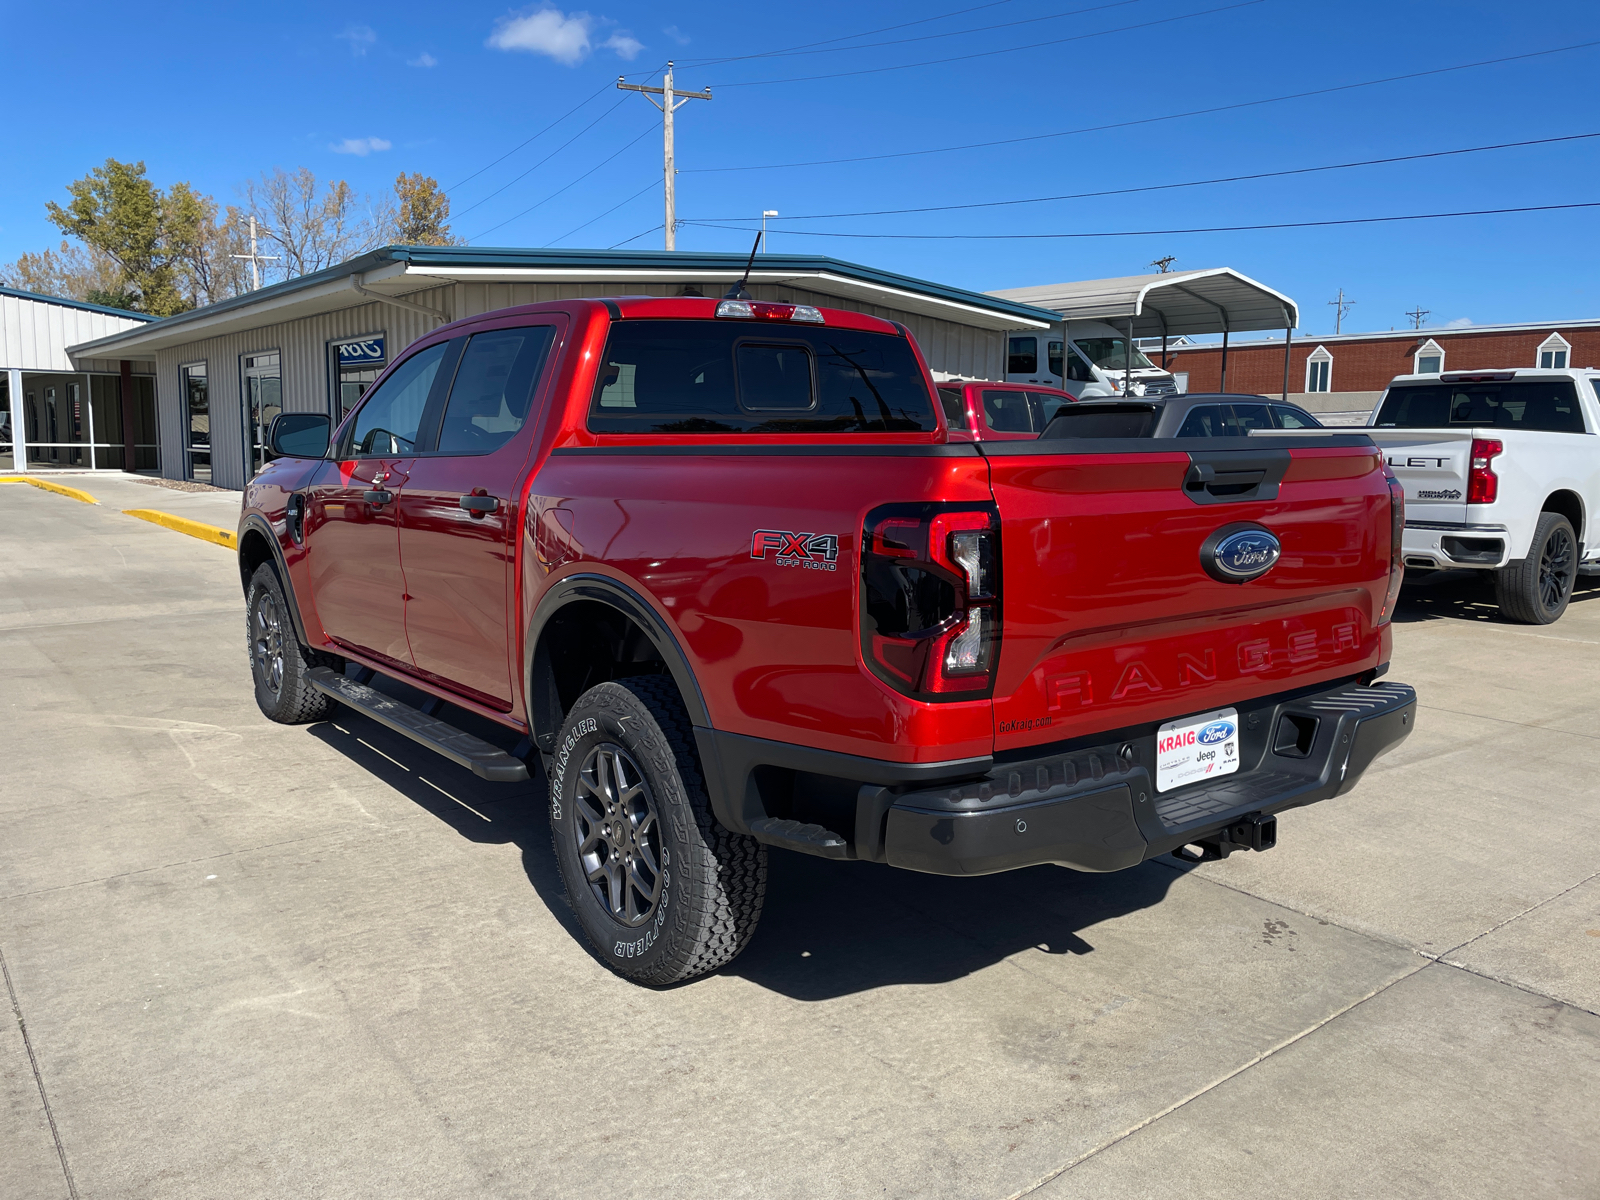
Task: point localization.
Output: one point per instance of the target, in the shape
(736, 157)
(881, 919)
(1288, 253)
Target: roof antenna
(737, 291)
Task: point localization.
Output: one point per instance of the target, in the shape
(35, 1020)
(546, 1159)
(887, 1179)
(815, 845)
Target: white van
(1098, 365)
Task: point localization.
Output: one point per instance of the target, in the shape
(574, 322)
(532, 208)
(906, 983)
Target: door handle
(377, 497)
(480, 506)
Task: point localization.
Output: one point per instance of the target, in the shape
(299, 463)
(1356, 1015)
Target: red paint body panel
(1108, 619)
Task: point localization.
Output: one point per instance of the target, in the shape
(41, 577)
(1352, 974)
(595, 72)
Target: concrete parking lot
(251, 960)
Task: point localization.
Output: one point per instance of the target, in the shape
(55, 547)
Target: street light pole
(671, 101)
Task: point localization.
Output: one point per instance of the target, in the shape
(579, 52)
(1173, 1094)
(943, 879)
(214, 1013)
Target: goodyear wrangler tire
(662, 891)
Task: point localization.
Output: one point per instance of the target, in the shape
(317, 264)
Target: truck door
(352, 537)
(458, 515)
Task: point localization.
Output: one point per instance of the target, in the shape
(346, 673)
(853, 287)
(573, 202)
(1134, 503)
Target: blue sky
(214, 95)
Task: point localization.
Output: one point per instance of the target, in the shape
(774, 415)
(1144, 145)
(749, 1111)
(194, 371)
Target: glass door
(263, 400)
(197, 432)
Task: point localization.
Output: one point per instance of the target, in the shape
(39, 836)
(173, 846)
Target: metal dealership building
(313, 344)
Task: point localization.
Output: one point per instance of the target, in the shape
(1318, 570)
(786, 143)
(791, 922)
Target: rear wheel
(1535, 590)
(278, 662)
(663, 892)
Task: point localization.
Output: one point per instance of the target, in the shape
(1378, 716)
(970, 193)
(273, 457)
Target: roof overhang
(1179, 302)
(399, 271)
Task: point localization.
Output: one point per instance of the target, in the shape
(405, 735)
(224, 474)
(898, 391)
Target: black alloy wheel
(619, 835)
(279, 664)
(1537, 589)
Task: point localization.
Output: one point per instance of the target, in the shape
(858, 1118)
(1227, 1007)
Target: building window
(197, 421)
(1319, 371)
(1555, 353)
(1429, 358)
(357, 363)
(262, 392)
(1023, 358)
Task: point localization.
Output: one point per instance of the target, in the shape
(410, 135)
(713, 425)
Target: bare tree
(310, 226)
(74, 272)
(205, 246)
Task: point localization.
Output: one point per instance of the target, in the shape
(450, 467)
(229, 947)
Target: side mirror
(300, 435)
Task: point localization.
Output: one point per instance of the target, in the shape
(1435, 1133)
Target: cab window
(1010, 412)
(1046, 406)
(955, 407)
(390, 414)
(1294, 418)
(492, 389)
(1205, 420)
(1247, 417)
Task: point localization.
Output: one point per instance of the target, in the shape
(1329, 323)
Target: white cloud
(567, 38)
(626, 45)
(422, 60)
(361, 38)
(676, 34)
(360, 147)
(1458, 323)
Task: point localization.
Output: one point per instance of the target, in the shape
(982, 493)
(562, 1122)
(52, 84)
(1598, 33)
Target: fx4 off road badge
(812, 551)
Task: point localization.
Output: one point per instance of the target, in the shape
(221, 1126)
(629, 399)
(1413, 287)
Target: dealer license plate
(1193, 749)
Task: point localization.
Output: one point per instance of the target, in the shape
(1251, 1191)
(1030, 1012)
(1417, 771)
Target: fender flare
(543, 725)
(256, 522)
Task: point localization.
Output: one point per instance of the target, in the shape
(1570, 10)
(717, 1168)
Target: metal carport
(1217, 300)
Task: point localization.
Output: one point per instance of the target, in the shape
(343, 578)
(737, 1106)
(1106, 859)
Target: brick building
(1344, 376)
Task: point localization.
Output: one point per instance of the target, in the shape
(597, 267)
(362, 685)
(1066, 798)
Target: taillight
(930, 599)
(1397, 532)
(1483, 485)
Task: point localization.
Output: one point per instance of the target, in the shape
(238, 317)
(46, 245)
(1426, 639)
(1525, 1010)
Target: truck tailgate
(1110, 619)
(1432, 466)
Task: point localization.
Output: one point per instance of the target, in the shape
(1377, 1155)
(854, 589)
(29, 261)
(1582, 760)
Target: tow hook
(1256, 831)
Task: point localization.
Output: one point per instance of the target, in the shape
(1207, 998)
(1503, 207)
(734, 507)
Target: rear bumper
(1096, 809)
(1091, 806)
(1455, 546)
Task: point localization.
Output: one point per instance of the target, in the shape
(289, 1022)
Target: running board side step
(475, 754)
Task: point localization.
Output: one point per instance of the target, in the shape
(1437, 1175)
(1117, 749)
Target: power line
(607, 213)
(1197, 112)
(648, 130)
(935, 62)
(960, 12)
(926, 37)
(1006, 237)
(542, 161)
(1162, 187)
(636, 236)
(534, 138)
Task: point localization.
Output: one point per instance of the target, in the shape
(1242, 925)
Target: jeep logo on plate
(1239, 553)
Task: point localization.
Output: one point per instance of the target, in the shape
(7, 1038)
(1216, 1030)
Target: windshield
(1110, 354)
(1548, 405)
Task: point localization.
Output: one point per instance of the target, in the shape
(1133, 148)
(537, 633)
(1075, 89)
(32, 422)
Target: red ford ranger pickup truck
(723, 570)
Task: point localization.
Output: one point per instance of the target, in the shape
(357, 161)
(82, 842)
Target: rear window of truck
(722, 377)
(1545, 405)
(1102, 421)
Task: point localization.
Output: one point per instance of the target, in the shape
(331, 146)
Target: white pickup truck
(1501, 471)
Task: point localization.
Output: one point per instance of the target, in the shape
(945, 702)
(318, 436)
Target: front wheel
(1536, 590)
(663, 892)
(279, 664)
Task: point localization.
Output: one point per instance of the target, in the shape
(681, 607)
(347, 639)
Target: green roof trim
(446, 257)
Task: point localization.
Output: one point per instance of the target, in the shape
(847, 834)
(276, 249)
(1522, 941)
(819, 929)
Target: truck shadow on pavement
(829, 928)
(1466, 596)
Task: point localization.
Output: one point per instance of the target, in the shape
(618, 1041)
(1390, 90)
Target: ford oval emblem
(1217, 731)
(1240, 553)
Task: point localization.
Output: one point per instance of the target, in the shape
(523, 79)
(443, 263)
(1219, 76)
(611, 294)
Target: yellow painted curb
(46, 485)
(199, 529)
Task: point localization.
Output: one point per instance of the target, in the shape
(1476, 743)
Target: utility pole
(670, 103)
(1340, 307)
(1417, 314)
(1164, 264)
(255, 260)
(765, 213)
